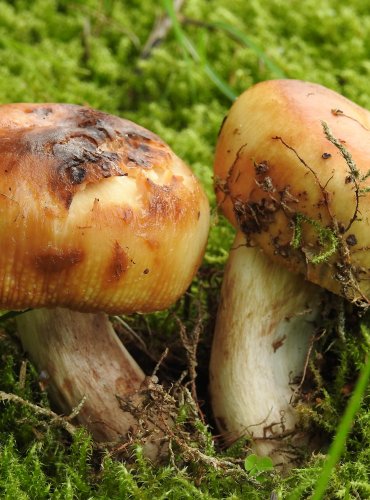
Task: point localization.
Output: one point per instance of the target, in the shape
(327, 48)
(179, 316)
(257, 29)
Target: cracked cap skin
(96, 212)
(283, 176)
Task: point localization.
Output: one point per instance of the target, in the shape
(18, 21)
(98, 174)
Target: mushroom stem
(80, 356)
(266, 318)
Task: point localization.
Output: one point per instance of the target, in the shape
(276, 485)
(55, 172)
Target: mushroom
(291, 173)
(98, 216)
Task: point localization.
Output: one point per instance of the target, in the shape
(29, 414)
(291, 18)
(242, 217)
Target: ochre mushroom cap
(96, 212)
(282, 178)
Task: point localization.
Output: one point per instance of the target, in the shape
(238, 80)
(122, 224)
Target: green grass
(344, 427)
(90, 52)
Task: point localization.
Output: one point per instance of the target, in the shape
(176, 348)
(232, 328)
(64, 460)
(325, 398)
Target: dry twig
(190, 341)
(158, 410)
(55, 419)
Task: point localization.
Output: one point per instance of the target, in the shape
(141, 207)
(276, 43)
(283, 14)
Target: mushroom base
(79, 356)
(266, 319)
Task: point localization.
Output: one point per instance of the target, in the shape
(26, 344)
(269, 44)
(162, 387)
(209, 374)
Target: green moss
(326, 238)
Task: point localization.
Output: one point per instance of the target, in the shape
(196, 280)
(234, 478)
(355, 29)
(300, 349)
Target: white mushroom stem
(80, 356)
(265, 322)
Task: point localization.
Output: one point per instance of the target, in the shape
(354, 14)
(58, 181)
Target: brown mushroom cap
(282, 178)
(96, 213)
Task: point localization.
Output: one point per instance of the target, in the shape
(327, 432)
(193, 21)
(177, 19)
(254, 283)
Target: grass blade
(245, 40)
(336, 449)
(186, 43)
(5, 315)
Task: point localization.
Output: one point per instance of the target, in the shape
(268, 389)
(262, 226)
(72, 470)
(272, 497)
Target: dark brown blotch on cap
(163, 202)
(75, 145)
(118, 264)
(77, 174)
(143, 149)
(57, 260)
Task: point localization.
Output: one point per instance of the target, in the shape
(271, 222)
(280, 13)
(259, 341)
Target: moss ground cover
(96, 52)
